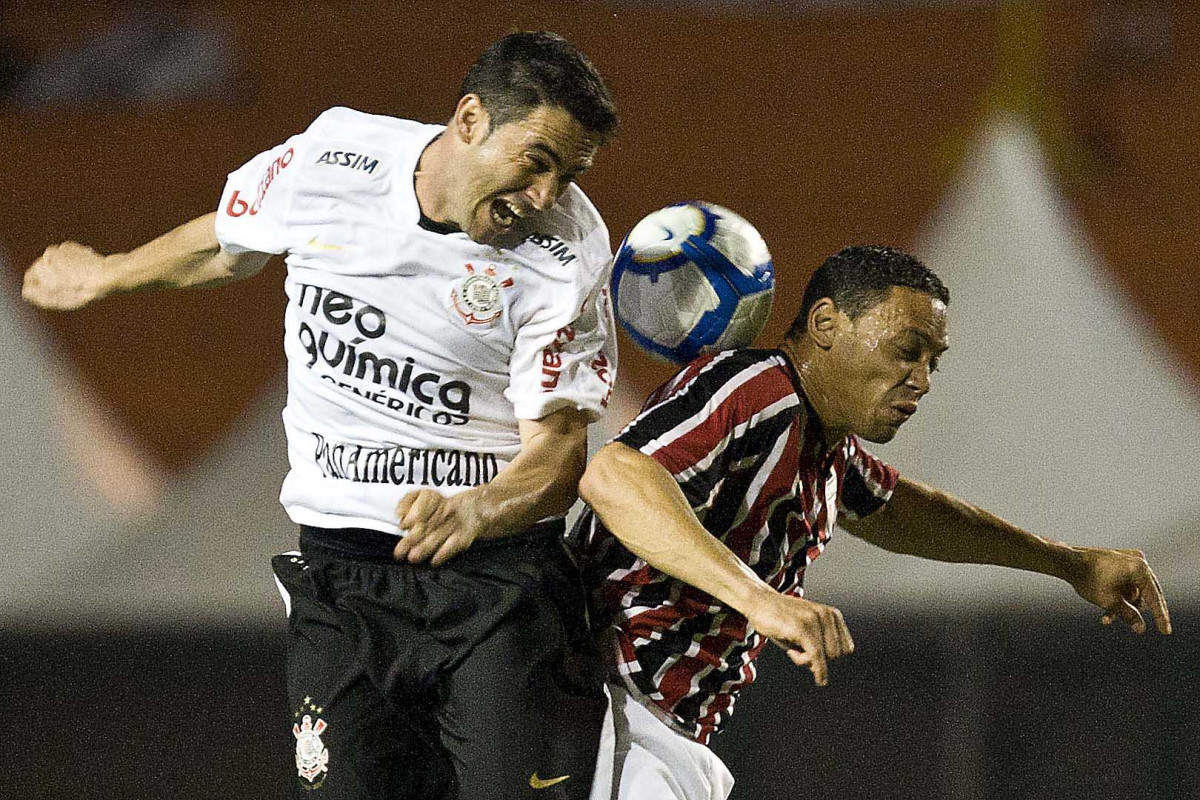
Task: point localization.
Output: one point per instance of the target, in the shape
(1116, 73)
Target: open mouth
(505, 214)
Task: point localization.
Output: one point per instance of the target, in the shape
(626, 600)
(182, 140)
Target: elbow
(602, 473)
(589, 484)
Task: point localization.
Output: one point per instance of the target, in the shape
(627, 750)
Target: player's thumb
(799, 657)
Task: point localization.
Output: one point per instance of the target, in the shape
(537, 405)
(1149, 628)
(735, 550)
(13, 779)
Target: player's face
(885, 359)
(518, 170)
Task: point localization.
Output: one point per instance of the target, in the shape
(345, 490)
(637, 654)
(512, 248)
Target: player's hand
(67, 276)
(813, 634)
(1123, 585)
(437, 527)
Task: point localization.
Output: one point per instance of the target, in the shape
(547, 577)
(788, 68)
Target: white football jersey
(411, 354)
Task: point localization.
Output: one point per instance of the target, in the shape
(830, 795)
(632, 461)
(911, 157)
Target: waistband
(371, 545)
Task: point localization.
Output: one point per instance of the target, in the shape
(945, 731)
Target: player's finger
(435, 538)
(411, 538)
(798, 657)
(843, 632)
(830, 637)
(1130, 615)
(423, 549)
(405, 504)
(422, 509)
(409, 509)
(449, 549)
(818, 663)
(820, 669)
(1154, 602)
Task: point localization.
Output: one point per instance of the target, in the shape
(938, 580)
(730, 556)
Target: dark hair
(859, 277)
(524, 70)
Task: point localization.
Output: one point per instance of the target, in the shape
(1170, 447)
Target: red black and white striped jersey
(746, 448)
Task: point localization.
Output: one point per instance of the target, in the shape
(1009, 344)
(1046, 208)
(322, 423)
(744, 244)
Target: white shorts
(642, 758)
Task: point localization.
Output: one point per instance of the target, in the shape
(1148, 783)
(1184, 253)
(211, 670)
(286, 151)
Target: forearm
(185, 256)
(928, 523)
(542, 481)
(640, 503)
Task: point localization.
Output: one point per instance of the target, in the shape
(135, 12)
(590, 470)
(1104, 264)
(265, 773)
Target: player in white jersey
(449, 337)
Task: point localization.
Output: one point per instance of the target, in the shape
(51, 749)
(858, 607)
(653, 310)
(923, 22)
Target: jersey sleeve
(255, 205)
(565, 355)
(867, 484)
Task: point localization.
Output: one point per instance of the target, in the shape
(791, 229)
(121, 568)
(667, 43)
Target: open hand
(66, 276)
(813, 634)
(1123, 585)
(437, 527)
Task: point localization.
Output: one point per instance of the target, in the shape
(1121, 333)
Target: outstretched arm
(71, 275)
(925, 522)
(641, 504)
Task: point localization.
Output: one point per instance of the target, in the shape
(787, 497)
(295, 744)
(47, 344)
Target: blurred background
(1042, 157)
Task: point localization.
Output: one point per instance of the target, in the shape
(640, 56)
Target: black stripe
(756, 442)
(856, 495)
(690, 401)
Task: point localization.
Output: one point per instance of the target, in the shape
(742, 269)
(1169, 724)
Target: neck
(429, 183)
(819, 387)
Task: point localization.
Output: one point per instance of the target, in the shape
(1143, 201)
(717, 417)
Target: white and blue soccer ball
(693, 278)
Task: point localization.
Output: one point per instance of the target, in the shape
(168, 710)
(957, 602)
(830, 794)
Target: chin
(881, 435)
(490, 236)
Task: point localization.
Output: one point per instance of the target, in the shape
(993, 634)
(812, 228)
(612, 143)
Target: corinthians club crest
(312, 756)
(477, 297)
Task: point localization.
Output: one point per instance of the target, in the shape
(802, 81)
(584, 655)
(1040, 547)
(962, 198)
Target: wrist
(752, 597)
(1067, 562)
(113, 275)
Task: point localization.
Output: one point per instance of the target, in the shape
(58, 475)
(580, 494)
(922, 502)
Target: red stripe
(751, 397)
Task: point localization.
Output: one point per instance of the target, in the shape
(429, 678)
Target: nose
(918, 379)
(543, 192)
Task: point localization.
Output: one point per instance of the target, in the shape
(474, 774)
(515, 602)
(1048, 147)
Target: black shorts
(474, 680)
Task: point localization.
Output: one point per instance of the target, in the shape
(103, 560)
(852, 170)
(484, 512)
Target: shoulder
(573, 234)
(366, 143)
(575, 216)
(340, 121)
(749, 377)
(751, 369)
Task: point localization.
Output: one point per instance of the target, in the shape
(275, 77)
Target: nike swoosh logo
(314, 243)
(538, 783)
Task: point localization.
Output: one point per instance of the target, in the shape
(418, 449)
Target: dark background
(1000, 705)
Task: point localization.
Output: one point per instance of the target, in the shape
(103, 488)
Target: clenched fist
(67, 276)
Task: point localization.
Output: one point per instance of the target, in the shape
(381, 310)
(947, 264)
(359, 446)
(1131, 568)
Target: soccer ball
(692, 278)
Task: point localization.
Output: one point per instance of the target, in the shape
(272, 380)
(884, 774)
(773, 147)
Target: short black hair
(527, 69)
(859, 277)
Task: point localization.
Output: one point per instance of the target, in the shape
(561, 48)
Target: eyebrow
(549, 152)
(937, 347)
(558, 162)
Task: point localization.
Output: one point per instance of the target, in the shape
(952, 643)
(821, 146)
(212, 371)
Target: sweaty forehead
(907, 312)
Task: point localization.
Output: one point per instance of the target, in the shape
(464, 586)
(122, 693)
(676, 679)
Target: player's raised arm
(641, 504)
(71, 275)
(925, 522)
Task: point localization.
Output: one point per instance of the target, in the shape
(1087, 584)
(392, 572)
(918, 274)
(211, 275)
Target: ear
(823, 322)
(471, 122)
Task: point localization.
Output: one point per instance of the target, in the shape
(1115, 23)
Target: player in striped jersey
(707, 509)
